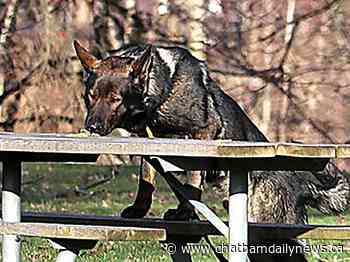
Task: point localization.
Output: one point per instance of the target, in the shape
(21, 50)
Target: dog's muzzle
(96, 128)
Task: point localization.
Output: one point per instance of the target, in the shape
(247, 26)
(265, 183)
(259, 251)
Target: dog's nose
(94, 128)
(91, 128)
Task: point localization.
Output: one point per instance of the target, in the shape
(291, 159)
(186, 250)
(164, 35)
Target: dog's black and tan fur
(170, 91)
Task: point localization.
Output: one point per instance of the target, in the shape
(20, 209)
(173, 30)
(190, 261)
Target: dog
(170, 91)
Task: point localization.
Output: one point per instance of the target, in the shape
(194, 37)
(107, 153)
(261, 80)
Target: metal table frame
(239, 158)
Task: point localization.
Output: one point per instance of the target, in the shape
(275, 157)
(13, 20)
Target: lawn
(47, 188)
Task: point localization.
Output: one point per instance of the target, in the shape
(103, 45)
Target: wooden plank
(85, 232)
(112, 233)
(343, 151)
(65, 144)
(185, 153)
(131, 146)
(244, 149)
(317, 232)
(327, 233)
(195, 229)
(306, 150)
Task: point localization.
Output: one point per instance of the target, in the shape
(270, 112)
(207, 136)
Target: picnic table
(238, 157)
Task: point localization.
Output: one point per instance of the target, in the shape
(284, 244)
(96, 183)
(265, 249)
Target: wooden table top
(209, 154)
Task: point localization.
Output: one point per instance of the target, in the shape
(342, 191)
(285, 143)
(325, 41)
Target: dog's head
(113, 90)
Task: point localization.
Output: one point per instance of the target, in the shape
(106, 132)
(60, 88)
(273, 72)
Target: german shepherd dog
(172, 93)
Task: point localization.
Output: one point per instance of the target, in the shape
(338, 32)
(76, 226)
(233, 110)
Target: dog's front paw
(142, 202)
(185, 211)
(134, 212)
(181, 213)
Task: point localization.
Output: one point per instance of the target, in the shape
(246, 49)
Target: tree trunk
(9, 25)
(197, 38)
(282, 126)
(108, 30)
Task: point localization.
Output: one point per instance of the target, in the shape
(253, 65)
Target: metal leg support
(11, 208)
(69, 248)
(238, 216)
(66, 256)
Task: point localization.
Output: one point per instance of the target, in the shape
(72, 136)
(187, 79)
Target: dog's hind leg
(143, 199)
(192, 189)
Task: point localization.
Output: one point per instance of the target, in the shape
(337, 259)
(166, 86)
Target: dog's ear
(88, 60)
(140, 66)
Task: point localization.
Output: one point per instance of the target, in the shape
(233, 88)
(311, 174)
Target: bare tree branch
(9, 22)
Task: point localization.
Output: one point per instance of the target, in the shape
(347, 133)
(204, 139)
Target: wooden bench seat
(71, 233)
(193, 230)
(82, 232)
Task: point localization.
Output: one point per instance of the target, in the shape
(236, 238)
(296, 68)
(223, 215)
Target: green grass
(42, 182)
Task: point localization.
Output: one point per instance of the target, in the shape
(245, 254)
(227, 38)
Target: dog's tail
(281, 196)
(328, 191)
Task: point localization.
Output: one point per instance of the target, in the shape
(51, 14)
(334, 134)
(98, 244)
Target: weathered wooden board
(195, 229)
(343, 151)
(68, 144)
(283, 231)
(85, 232)
(129, 146)
(306, 150)
(188, 154)
(327, 233)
